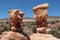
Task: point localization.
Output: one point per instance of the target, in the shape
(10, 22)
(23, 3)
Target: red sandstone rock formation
(16, 19)
(15, 33)
(41, 15)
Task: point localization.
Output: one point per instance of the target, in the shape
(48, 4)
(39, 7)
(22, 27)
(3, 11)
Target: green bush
(34, 30)
(5, 29)
(55, 33)
(1, 32)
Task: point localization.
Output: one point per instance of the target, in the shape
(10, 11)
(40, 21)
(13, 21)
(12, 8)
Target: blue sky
(27, 5)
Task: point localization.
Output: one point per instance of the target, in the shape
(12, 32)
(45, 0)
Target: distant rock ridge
(3, 19)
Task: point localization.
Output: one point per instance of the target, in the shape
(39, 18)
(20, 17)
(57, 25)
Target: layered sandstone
(41, 15)
(16, 17)
(12, 36)
(40, 36)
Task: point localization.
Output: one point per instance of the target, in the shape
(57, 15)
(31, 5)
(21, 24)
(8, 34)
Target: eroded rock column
(16, 17)
(16, 32)
(41, 15)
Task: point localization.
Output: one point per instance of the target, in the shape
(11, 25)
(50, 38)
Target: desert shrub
(29, 26)
(34, 30)
(1, 32)
(58, 27)
(5, 29)
(7, 22)
(55, 32)
(52, 22)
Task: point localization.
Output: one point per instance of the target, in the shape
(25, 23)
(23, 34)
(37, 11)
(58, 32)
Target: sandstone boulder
(40, 36)
(12, 36)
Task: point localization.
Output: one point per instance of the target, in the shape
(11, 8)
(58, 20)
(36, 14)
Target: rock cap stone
(41, 6)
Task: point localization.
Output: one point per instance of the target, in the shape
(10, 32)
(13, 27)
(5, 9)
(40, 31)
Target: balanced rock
(41, 15)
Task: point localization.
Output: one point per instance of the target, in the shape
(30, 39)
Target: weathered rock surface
(41, 15)
(16, 17)
(41, 6)
(12, 36)
(41, 12)
(40, 36)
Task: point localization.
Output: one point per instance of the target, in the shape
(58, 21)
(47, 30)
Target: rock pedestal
(39, 36)
(12, 36)
(41, 15)
(16, 32)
